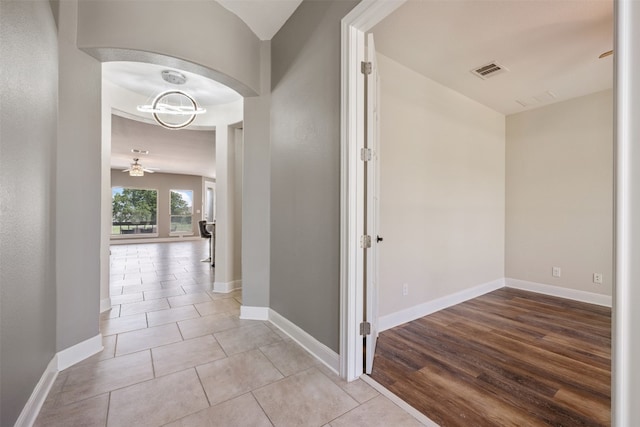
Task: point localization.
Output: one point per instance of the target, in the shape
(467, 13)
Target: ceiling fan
(136, 169)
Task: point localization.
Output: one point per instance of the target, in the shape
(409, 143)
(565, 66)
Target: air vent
(489, 70)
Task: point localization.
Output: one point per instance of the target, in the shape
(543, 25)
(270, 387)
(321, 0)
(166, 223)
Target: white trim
(38, 395)
(227, 287)
(105, 304)
(399, 402)
(417, 311)
(254, 313)
(361, 18)
(557, 291)
(626, 347)
(77, 353)
(320, 351)
(115, 240)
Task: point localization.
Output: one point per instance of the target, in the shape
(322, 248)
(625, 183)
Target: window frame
(135, 235)
(171, 215)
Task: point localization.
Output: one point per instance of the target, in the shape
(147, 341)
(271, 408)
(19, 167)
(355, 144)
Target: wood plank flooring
(507, 358)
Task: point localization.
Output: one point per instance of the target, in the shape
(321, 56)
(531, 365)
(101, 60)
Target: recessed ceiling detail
(148, 80)
(489, 70)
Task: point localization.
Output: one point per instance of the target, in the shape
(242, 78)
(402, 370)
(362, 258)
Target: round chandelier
(173, 109)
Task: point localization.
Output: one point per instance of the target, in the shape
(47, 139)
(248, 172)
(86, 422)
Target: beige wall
(442, 177)
(164, 183)
(559, 200)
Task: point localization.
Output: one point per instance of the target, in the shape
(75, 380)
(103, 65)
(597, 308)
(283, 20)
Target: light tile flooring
(177, 354)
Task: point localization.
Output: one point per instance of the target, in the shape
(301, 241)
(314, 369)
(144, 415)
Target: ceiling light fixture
(169, 107)
(136, 169)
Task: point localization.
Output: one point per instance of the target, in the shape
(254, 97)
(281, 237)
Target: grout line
(153, 366)
(202, 385)
(106, 418)
(261, 407)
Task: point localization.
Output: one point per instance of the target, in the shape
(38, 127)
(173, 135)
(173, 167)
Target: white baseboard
(134, 240)
(254, 313)
(320, 351)
(557, 291)
(412, 313)
(105, 304)
(39, 395)
(77, 353)
(227, 287)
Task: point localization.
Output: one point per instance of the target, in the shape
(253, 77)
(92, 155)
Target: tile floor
(177, 354)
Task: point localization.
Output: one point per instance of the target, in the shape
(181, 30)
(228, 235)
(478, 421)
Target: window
(133, 211)
(181, 211)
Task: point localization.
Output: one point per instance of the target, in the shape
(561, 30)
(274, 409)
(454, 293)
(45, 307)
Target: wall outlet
(405, 289)
(597, 278)
(556, 271)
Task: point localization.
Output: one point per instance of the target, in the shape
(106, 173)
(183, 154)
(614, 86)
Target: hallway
(177, 354)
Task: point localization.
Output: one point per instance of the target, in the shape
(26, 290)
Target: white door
(372, 205)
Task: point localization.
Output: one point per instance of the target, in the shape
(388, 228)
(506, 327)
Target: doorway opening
(354, 30)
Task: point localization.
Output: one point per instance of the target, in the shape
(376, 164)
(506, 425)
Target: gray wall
(164, 183)
(77, 186)
(305, 169)
(201, 32)
(256, 170)
(28, 98)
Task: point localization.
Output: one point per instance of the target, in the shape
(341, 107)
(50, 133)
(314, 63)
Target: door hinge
(365, 328)
(365, 241)
(366, 154)
(365, 67)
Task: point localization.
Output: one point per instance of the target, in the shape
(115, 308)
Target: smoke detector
(174, 77)
(489, 70)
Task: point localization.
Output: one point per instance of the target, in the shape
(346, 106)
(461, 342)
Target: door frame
(625, 377)
(353, 26)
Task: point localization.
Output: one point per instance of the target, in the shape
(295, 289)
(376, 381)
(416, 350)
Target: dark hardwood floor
(507, 358)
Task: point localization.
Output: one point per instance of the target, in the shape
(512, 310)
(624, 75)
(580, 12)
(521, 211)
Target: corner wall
(28, 122)
(559, 197)
(442, 171)
(256, 191)
(78, 186)
(305, 169)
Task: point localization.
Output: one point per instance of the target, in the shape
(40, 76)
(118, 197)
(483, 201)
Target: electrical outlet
(597, 278)
(556, 271)
(405, 289)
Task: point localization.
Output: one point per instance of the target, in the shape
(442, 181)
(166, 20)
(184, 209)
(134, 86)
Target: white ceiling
(146, 79)
(264, 17)
(547, 46)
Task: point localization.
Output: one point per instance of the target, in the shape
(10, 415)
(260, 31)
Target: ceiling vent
(489, 70)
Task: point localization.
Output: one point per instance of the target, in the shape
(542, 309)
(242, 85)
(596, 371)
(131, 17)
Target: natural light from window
(181, 211)
(134, 211)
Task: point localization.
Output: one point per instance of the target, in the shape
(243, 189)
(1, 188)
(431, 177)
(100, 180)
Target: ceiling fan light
(136, 170)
